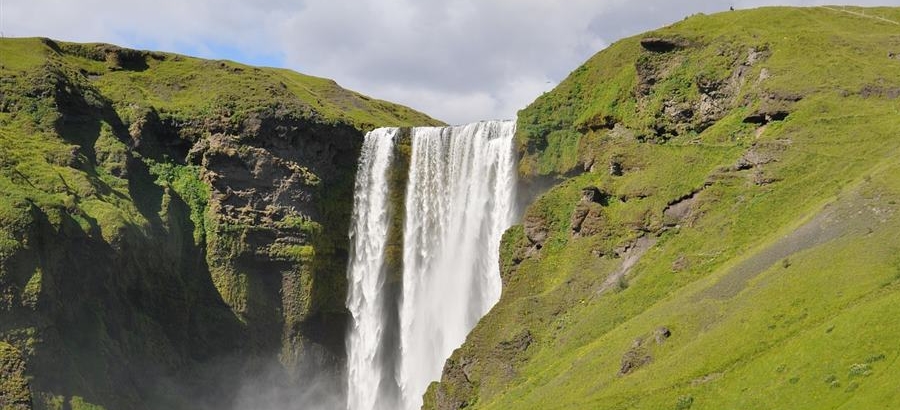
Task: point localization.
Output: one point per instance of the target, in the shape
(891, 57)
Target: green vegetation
(777, 284)
(14, 389)
(185, 181)
(398, 175)
(187, 88)
(162, 213)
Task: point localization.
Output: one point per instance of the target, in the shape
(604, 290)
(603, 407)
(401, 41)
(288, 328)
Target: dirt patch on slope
(630, 257)
(853, 215)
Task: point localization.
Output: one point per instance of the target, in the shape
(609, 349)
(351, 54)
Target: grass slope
(780, 284)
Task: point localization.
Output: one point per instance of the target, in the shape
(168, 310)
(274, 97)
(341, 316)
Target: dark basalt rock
(663, 45)
(594, 194)
(615, 168)
(765, 117)
(661, 334)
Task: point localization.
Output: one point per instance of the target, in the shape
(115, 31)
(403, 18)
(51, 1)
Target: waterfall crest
(459, 199)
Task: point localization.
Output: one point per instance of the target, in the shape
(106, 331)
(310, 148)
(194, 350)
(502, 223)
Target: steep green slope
(725, 231)
(169, 224)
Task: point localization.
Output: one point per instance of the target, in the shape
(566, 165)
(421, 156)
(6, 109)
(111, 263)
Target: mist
(315, 381)
(317, 388)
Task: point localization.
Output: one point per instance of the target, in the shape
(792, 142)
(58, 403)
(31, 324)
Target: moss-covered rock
(14, 391)
(171, 225)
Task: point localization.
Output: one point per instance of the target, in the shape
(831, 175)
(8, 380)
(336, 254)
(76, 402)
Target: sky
(456, 60)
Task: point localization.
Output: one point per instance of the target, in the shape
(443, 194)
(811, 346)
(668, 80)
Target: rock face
(173, 229)
(716, 95)
(587, 218)
(272, 243)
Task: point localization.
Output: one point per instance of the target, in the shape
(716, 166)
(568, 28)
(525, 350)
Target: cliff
(721, 231)
(170, 226)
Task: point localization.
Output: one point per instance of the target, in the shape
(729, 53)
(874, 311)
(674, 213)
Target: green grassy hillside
(724, 233)
(169, 225)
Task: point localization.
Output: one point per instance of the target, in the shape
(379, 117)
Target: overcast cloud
(457, 60)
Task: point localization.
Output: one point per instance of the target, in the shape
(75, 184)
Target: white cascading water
(460, 198)
(459, 201)
(368, 235)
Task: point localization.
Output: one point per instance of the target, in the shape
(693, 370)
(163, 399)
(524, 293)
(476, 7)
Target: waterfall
(459, 199)
(368, 235)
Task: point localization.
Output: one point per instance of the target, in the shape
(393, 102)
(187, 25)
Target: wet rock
(515, 248)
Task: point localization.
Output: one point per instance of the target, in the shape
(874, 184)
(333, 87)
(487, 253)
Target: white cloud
(489, 51)
(458, 60)
(172, 25)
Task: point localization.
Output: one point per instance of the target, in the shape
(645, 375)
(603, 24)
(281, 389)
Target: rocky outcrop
(587, 218)
(115, 57)
(638, 355)
(459, 378)
(680, 209)
(277, 214)
(664, 45)
(772, 107)
(514, 248)
(716, 95)
(755, 161)
(536, 228)
(441, 397)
